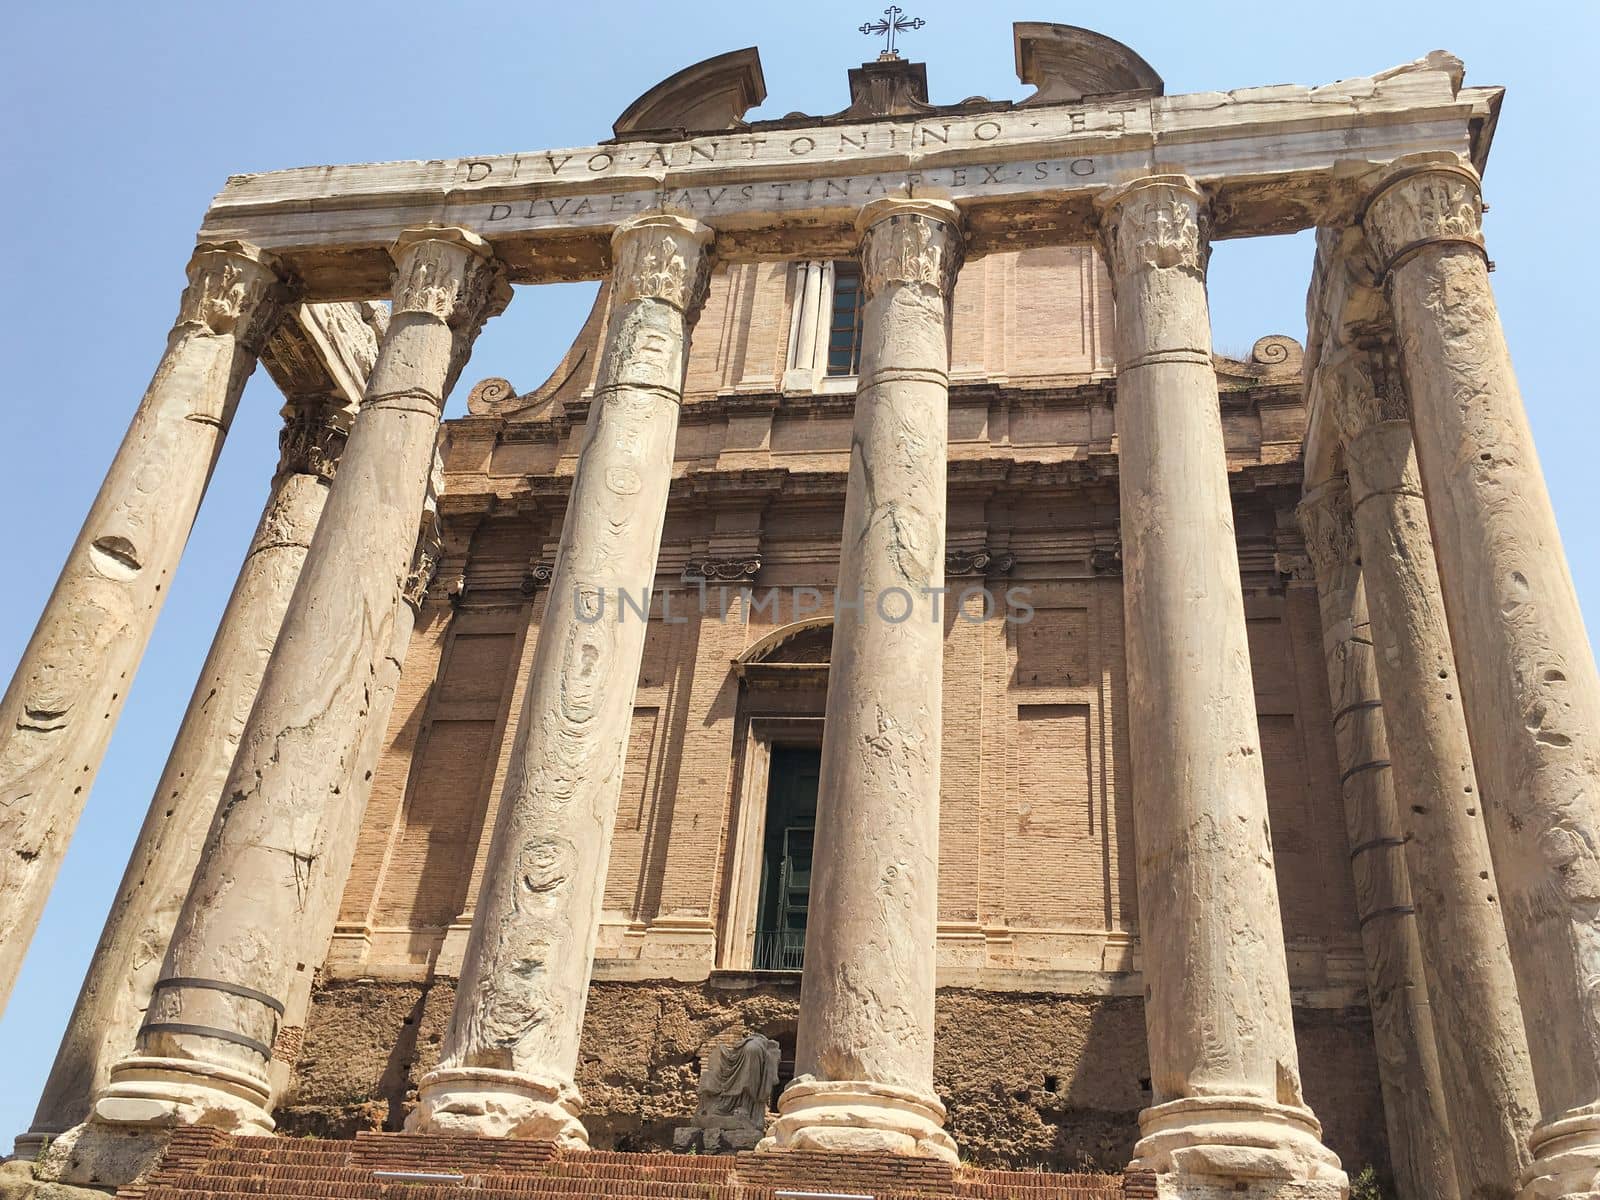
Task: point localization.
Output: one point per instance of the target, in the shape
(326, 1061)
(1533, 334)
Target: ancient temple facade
(893, 669)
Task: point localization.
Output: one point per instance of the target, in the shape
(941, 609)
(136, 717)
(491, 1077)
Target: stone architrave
(1528, 678)
(1227, 1107)
(1402, 1019)
(509, 1058)
(59, 711)
(292, 795)
(864, 1052)
(1483, 1051)
(117, 986)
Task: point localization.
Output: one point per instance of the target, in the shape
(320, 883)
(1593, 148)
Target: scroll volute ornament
(916, 242)
(1159, 222)
(234, 288)
(662, 257)
(1422, 205)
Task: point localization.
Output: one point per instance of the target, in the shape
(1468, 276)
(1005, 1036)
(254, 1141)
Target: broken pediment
(711, 95)
(1067, 63)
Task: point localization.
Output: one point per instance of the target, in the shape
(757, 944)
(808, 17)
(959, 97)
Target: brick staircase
(203, 1164)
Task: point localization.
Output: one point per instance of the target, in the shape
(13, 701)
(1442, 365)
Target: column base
(168, 1092)
(855, 1117)
(1566, 1158)
(486, 1102)
(28, 1146)
(1237, 1143)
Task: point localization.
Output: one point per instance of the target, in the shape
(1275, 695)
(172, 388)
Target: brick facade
(1036, 873)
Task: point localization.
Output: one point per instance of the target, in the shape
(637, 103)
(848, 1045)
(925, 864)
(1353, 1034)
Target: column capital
(1421, 204)
(1358, 393)
(660, 256)
(448, 273)
(910, 241)
(234, 288)
(313, 436)
(1160, 221)
(1328, 526)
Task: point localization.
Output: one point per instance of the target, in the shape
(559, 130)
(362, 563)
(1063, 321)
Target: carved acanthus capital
(978, 562)
(234, 288)
(1358, 393)
(740, 569)
(313, 436)
(1424, 205)
(1328, 528)
(916, 242)
(450, 274)
(661, 257)
(1157, 223)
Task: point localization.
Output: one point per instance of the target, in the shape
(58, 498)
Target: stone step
(477, 1188)
(338, 1169)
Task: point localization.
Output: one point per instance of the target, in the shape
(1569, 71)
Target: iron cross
(893, 22)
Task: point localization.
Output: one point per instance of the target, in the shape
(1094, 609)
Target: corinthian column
(291, 796)
(864, 1054)
(1483, 1051)
(1528, 678)
(1402, 1021)
(63, 702)
(509, 1057)
(1223, 1066)
(116, 989)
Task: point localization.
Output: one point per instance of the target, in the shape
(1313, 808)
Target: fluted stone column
(508, 1062)
(116, 989)
(63, 702)
(1402, 1020)
(203, 1051)
(1227, 1106)
(1528, 677)
(864, 1054)
(1483, 1050)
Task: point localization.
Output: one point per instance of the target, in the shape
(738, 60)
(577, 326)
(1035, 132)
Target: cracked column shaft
(1528, 678)
(116, 987)
(509, 1057)
(63, 702)
(864, 1054)
(1483, 1051)
(1414, 1108)
(293, 794)
(1224, 1069)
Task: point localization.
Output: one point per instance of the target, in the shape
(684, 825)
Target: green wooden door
(786, 861)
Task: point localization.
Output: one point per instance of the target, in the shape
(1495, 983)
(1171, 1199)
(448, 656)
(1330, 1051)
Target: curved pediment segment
(1067, 63)
(806, 643)
(711, 95)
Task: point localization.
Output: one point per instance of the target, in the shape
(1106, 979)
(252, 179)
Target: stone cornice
(1270, 160)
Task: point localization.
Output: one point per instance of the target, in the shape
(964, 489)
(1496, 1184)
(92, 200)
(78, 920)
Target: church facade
(893, 671)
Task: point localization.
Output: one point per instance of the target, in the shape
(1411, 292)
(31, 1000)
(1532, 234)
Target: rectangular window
(844, 327)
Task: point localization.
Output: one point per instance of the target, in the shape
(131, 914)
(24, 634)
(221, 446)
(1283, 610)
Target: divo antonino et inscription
(1024, 176)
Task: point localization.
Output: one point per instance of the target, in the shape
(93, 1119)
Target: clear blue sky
(124, 119)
